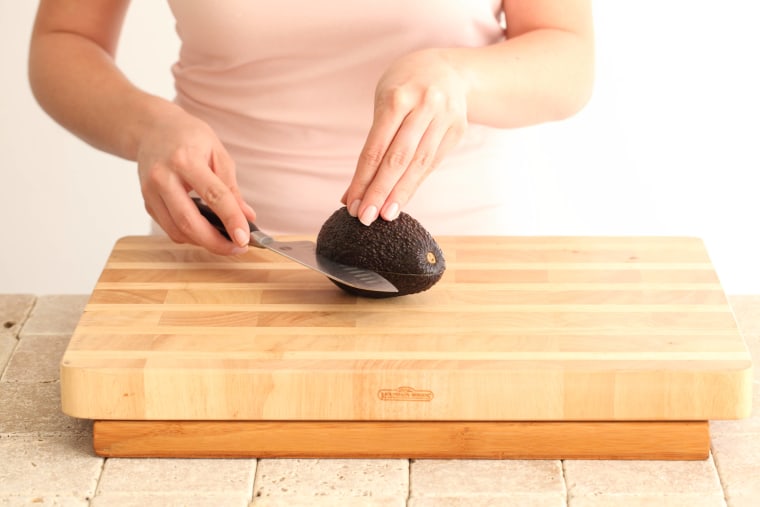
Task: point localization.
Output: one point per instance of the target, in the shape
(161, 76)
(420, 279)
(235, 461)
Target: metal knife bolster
(260, 239)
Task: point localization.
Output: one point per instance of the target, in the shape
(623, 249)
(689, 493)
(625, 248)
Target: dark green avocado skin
(402, 251)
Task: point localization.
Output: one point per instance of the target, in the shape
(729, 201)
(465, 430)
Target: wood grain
(518, 329)
(676, 440)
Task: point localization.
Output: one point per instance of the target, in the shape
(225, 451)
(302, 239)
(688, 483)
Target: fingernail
(369, 215)
(241, 238)
(391, 212)
(354, 208)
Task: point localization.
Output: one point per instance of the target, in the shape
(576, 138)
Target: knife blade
(305, 253)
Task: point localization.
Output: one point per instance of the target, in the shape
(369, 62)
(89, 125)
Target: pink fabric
(288, 86)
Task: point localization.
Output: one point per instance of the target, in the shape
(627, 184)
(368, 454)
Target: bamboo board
(518, 329)
(660, 440)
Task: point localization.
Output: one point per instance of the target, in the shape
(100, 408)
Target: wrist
(150, 110)
(458, 62)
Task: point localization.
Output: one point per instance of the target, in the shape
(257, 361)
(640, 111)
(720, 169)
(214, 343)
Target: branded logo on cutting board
(405, 393)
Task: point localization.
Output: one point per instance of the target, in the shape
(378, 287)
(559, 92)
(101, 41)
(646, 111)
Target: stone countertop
(46, 457)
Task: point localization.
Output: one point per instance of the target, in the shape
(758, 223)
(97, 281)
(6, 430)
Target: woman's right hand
(74, 77)
(177, 154)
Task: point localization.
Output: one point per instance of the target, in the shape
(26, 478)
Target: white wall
(63, 203)
(668, 145)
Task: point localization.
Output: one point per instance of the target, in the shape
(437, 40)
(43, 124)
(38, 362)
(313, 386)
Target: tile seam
(25, 320)
(91, 498)
(565, 491)
(17, 337)
(255, 479)
(408, 498)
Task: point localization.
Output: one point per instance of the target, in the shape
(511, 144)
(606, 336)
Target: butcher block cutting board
(518, 329)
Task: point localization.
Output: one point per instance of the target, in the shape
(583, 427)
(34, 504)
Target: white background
(669, 145)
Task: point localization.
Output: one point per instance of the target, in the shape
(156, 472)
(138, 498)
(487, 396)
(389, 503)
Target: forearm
(75, 79)
(78, 84)
(539, 76)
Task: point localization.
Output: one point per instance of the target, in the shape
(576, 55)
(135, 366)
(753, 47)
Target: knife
(305, 253)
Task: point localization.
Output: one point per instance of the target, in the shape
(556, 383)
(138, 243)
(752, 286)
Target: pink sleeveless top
(288, 87)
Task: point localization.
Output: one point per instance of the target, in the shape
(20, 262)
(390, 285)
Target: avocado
(401, 251)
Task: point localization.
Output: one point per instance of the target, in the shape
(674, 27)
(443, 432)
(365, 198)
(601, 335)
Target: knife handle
(258, 238)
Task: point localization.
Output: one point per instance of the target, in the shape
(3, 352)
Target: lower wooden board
(646, 440)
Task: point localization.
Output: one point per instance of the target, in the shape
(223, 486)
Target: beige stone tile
(538, 481)
(737, 456)
(182, 476)
(171, 500)
(644, 500)
(748, 425)
(7, 346)
(743, 500)
(14, 310)
(588, 479)
(35, 409)
(505, 499)
(58, 314)
(48, 467)
(291, 482)
(37, 358)
(44, 500)
(327, 501)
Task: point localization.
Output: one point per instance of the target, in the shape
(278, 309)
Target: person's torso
(289, 88)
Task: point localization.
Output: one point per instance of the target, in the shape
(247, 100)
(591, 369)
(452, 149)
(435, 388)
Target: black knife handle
(214, 219)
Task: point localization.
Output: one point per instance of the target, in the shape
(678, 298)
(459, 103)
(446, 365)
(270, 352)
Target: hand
(420, 115)
(180, 153)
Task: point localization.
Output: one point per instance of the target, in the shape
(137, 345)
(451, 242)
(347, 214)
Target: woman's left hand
(420, 115)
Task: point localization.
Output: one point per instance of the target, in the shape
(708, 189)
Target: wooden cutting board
(518, 329)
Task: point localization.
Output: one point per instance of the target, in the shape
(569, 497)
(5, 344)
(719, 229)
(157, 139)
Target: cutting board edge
(83, 398)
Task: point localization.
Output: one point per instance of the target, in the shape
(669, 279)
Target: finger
(221, 199)
(422, 163)
(200, 232)
(378, 140)
(160, 212)
(395, 163)
(248, 211)
(385, 124)
(434, 146)
(156, 208)
(224, 167)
